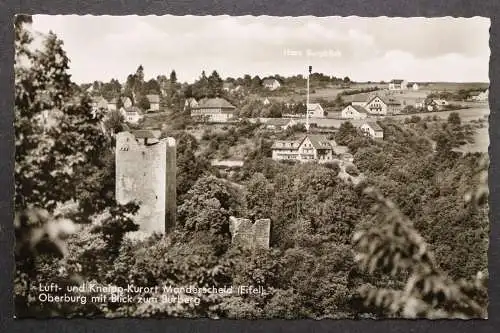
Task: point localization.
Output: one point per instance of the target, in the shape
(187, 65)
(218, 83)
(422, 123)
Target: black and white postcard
(251, 167)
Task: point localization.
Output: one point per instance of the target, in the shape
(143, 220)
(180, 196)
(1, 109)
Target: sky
(364, 49)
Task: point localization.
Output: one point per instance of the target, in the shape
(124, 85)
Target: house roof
(278, 121)
(114, 100)
(227, 85)
(392, 102)
(376, 96)
(98, 99)
(439, 101)
(145, 134)
(269, 80)
(314, 106)
(376, 127)
(359, 108)
(153, 98)
(397, 81)
(286, 144)
(359, 98)
(133, 109)
(215, 103)
(318, 141)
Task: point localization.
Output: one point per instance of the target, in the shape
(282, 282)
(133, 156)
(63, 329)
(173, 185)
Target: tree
(259, 196)
(454, 119)
(61, 155)
(347, 79)
(429, 292)
(114, 122)
(144, 103)
(215, 84)
(346, 133)
(173, 77)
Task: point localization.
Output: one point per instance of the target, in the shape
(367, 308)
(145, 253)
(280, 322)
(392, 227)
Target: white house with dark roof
(311, 148)
(190, 103)
(279, 123)
(99, 102)
(315, 110)
(271, 83)
(126, 101)
(214, 110)
(398, 85)
(154, 102)
(112, 104)
(359, 99)
(372, 129)
(376, 106)
(132, 114)
(354, 112)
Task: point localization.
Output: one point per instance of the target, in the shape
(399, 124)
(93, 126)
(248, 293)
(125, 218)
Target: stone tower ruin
(146, 172)
(250, 235)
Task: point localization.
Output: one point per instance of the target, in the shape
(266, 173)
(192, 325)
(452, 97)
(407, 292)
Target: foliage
(394, 245)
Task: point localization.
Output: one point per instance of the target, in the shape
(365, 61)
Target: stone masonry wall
(250, 235)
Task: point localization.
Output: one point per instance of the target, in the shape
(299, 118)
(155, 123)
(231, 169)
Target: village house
(437, 105)
(190, 103)
(126, 102)
(314, 110)
(483, 95)
(354, 112)
(372, 129)
(359, 99)
(99, 102)
(415, 86)
(227, 86)
(112, 104)
(479, 96)
(376, 106)
(154, 102)
(214, 110)
(266, 101)
(271, 83)
(279, 124)
(398, 85)
(419, 104)
(393, 107)
(308, 149)
(132, 114)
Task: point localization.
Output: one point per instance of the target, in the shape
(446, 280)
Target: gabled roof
(278, 121)
(153, 98)
(314, 106)
(396, 81)
(98, 99)
(376, 127)
(286, 144)
(269, 80)
(392, 102)
(146, 134)
(359, 108)
(318, 141)
(359, 98)
(114, 100)
(214, 103)
(376, 96)
(133, 109)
